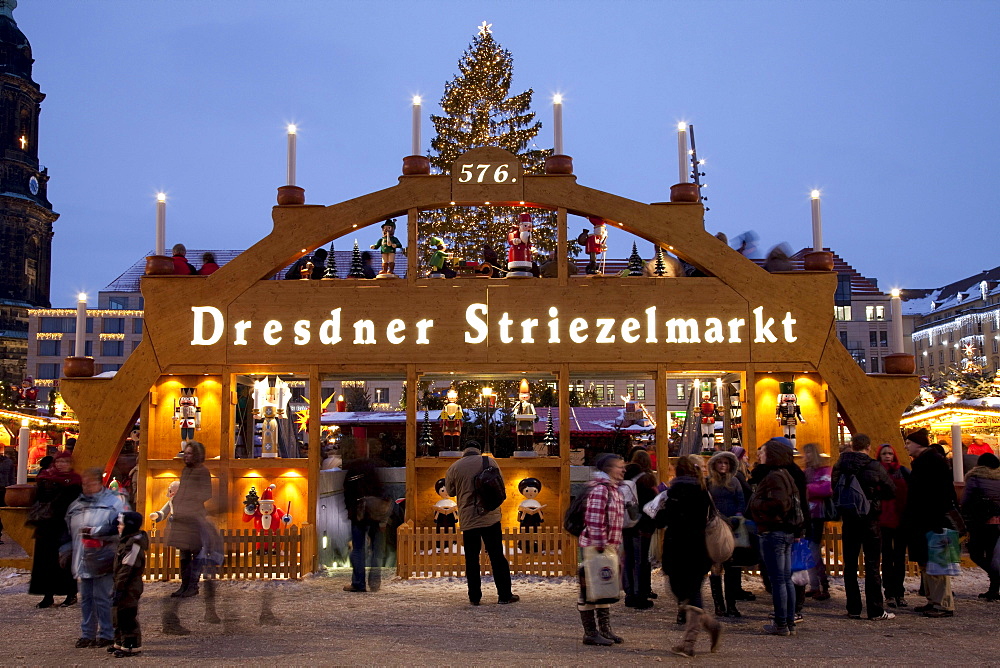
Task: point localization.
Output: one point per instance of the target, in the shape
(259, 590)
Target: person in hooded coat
(185, 529)
(130, 563)
(981, 508)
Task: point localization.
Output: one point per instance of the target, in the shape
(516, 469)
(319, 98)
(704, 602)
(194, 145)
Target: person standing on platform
(931, 499)
(208, 264)
(181, 265)
(861, 530)
(478, 530)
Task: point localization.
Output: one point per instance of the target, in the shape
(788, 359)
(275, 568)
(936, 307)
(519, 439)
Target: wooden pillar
(662, 423)
(141, 501)
(562, 262)
(411, 439)
(564, 423)
(227, 400)
(411, 246)
(748, 396)
(310, 553)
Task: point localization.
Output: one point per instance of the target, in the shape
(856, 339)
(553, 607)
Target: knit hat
(603, 460)
(739, 451)
(989, 460)
(783, 441)
(920, 437)
(131, 522)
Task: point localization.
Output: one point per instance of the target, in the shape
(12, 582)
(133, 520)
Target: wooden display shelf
(528, 462)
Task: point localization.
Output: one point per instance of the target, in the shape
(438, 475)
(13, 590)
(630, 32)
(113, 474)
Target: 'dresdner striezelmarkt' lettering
(543, 326)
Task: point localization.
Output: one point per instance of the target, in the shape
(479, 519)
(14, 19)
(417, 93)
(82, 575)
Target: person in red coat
(181, 265)
(208, 265)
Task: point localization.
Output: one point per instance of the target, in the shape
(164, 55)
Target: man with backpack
(860, 484)
(479, 519)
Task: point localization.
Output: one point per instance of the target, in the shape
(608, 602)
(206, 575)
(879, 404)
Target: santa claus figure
(519, 254)
(708, 415)
(788, 413)
(596, 243)
(26, 393)
(266, 517)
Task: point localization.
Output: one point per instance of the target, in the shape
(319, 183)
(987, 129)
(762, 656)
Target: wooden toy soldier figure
(387, 245)
(788, 413)
(451, 422)
(187, 414)
(524, 420)
(708, 415)
(519, 255)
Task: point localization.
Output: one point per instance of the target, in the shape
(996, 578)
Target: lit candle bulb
(161, 224)
(81, 323)
(415, 148)
(557, 126)
(817, 222)
(682, 152)
(291, 153)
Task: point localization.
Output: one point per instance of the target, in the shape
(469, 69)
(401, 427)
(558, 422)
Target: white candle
(161, 224)
(718, 392)
(22, 453)
(682, 152)
(957, 463)
(817, 221)
(415, 148)
(896, 313)
(291, 154)
(81, 322)
(557, 129)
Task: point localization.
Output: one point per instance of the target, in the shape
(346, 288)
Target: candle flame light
(416, 99)
(682, 127)
(557, 98)
(292, 129)
(814, 194)
(82, 297)
(161, 197)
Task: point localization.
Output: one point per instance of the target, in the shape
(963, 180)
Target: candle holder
(819, 261)
(78, 367)
(559, 164)
(901, 364)
(685, 192)
(416, 165)
(291, 195)
(159, 265)
(21, 496)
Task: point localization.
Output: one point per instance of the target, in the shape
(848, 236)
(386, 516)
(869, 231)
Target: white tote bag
(602, 575)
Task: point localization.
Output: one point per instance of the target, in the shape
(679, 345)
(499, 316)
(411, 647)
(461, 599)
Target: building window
(843, 338)
(842, 297)
(883, 339)
(118, 303)
(874, 312)
(599, 391)
(88, 348)
(49, 348)
(110, 367)
(381, 395)
(951, 354)
(137, 326)
(49, 371)
(56, 325)
(112, 348)
(873, 362)
(996, 345)
(640, 391)
(842, 313)
(609, 392)
(135, 344)
(630, 389)
(680, 391)
(113, 326)
(940, 357)
(873, 339)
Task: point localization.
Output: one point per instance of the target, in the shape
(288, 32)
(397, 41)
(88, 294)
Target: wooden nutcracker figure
(524, 421)
(387, 246)
(266, 517)
(268, 405)
(187, 414)
(708, 411)
(451, 422)
(519, 255)
(788, 413)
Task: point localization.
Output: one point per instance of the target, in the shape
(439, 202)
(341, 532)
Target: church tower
(26, 215)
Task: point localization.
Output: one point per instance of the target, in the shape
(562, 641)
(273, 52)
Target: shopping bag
(601, 574)
(719, 542)
(741, 532)
(944, 554)
(802, 556)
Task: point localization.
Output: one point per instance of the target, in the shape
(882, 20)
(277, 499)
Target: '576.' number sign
(489, 172)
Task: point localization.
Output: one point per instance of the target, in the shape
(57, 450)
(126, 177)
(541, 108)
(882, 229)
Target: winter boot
(590, 634)
(714, 629)
(686, 646)
(720, 604)
(211, 616)
(732, 578)
(681, 615)
(604, 625)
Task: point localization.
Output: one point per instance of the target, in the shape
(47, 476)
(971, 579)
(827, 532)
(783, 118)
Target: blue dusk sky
(889, 108)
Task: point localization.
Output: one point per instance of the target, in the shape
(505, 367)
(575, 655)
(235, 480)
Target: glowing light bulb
(292, 129)
(895, 292)
(161, 197)
(82, 297)
(682, 126)
(814, 194)
(557, 98)
(416, 99)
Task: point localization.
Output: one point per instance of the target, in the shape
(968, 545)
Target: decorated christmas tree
(479, 111)
(356, 270)
(550, 439)
(426, 437)
(635, 263)
(331, 263)
(659, 269)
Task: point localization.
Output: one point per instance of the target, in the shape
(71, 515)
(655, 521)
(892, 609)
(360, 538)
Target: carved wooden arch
(871, 404)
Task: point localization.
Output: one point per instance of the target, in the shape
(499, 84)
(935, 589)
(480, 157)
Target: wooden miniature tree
(635, 263)
(356, 271)
(659, 269)
(331, 264)
(550, 439)
(426, 441)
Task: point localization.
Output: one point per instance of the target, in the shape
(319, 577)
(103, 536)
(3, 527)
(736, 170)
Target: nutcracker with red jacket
(451, 422)
(269, 404)
(187, 414)
(266, 517)
(595, 244)
(519, 255)
(26, 393)
(709, 412)
(524, 421)
(788, 413)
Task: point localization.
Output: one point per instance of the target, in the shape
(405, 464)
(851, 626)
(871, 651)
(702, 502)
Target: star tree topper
(484, 29)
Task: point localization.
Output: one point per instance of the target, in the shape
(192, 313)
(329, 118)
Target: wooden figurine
(387, 245)
(787, 412)
(451, 422)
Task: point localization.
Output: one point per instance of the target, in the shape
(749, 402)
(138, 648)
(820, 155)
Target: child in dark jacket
(130, 562)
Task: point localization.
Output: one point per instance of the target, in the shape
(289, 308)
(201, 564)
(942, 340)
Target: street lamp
(487, 393)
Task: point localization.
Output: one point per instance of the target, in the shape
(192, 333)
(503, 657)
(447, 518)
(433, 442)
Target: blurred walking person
(981, 508)
(893, 538)
(819, 491)
(58, 486)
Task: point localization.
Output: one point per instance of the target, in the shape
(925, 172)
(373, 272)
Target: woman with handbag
(57, 487)
(819, 492)
(727, 494)
(684, 516)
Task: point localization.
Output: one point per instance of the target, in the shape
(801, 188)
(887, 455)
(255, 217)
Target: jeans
(862, 535)
(361, 534)
(776, 553)
(636, 578)
(893, 562)
(492, 538)
(95, 605)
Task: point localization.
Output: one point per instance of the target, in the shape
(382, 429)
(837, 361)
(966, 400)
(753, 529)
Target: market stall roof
(970, 413)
